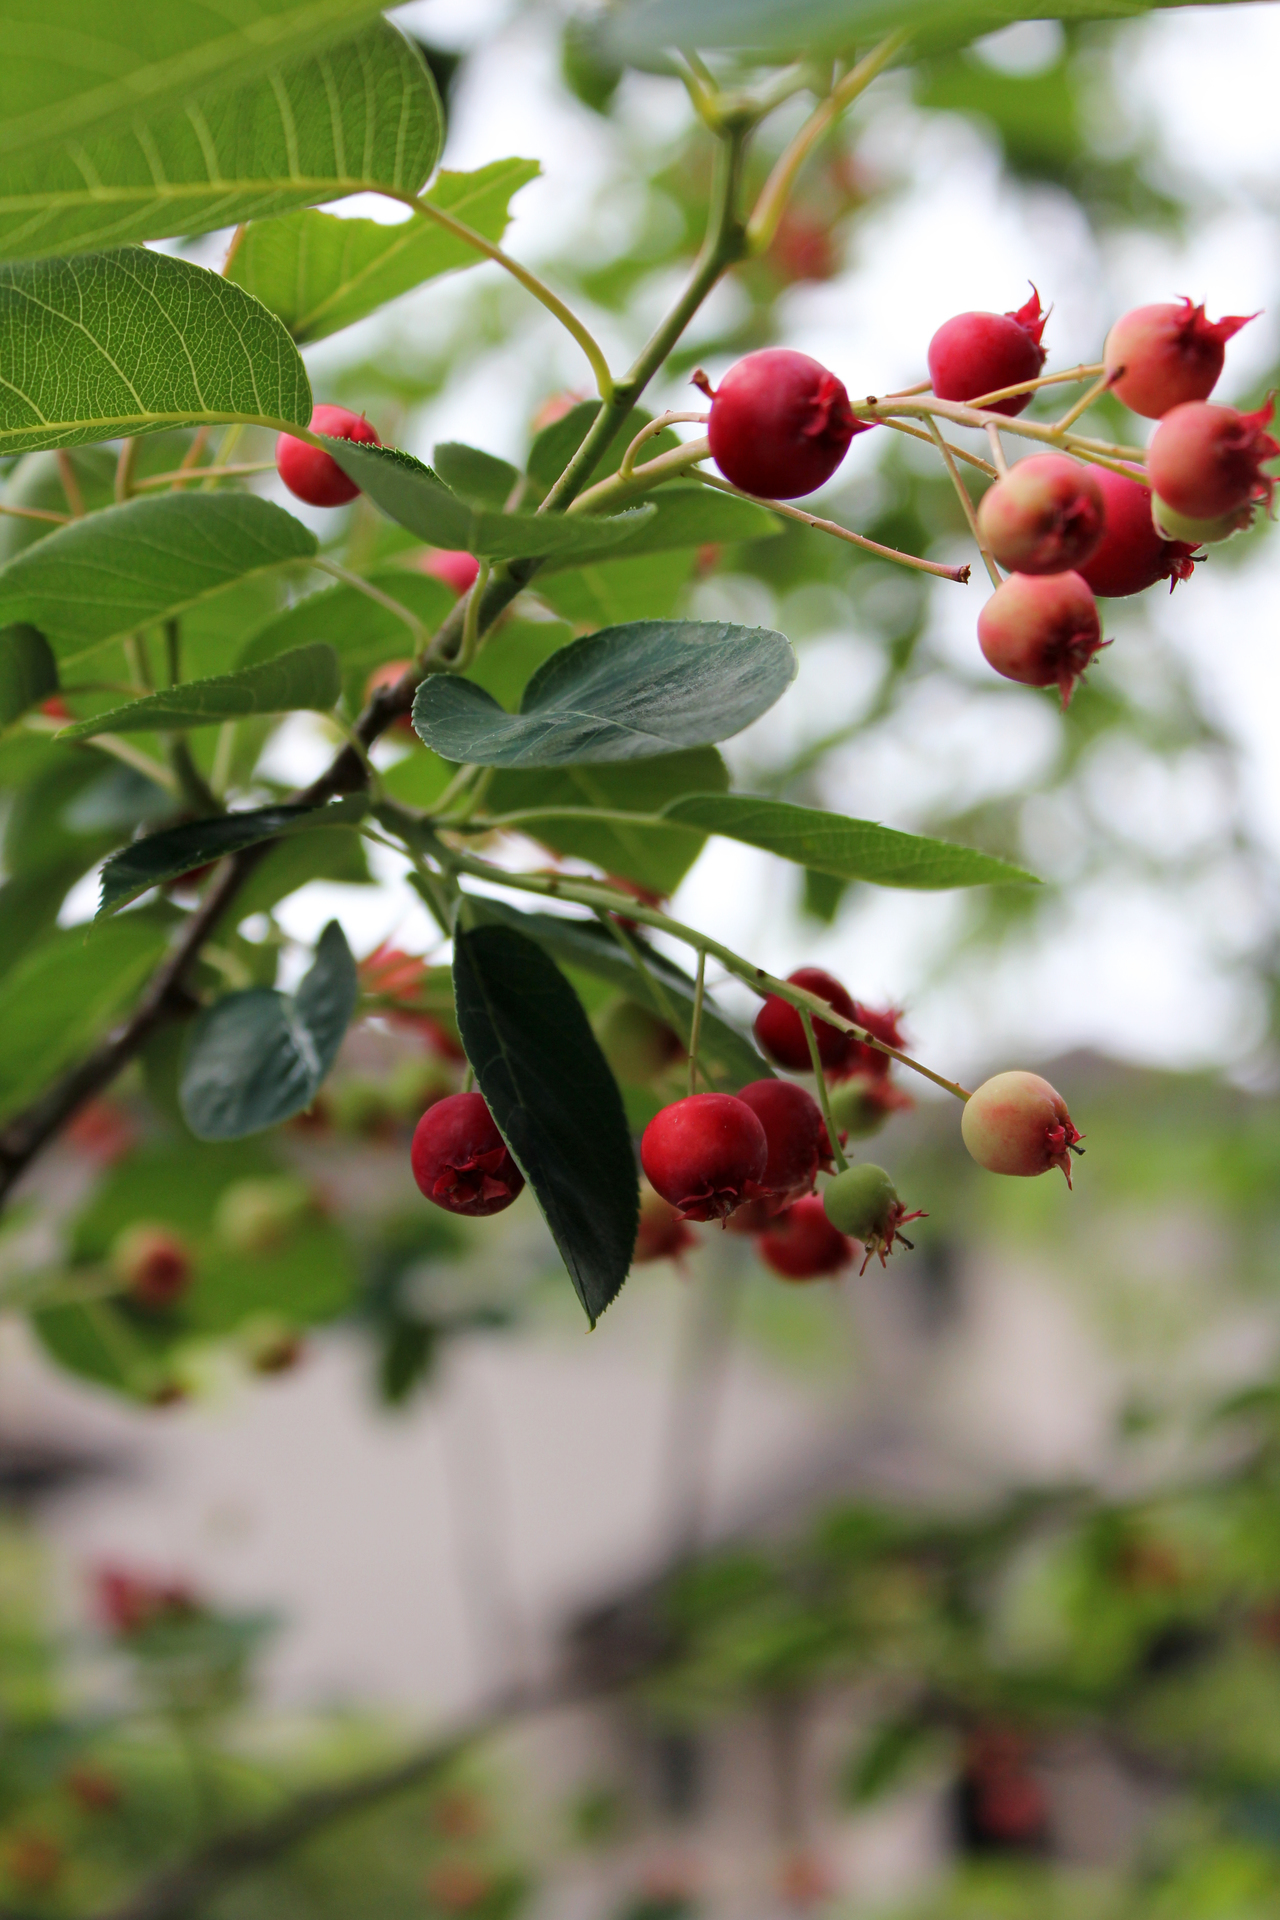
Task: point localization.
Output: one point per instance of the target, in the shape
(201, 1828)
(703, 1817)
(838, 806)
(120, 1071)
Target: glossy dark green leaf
(28, 671)
(414, 497)
(307, 678)
(361, 631)
(850, 849)
(539, 1066)
(320, 273)
(158, 857)
(256, 1058)
(627, 693)
(687, 515)
(475, 476)
(131, 566)
(131, 341)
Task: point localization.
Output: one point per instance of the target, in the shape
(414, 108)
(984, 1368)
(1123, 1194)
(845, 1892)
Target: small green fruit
(859, 1200)
(858, 1108)
(1172, 525)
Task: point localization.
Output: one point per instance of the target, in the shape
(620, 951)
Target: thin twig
(659, 425)
(969, 513)
(38, 513)
(1086, 400)
(788, 512)
(70, 485)
(695, 1025)
(997, 450)
(421, 638)
(181, 475)
(960, 453)
(824, 1097)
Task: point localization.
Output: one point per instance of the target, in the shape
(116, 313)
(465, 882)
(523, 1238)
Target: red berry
(802, 1244)
(780, 424)
(661, 1234)
(154, 1264)
(387, 676)
(311, 473)
(1207, 460)
(456, 568)
(979, 353)
(706, 1155)
(1131, 555)
(461, 1161)
(129, 1602)
(796, 1134)
(780, 1030)
(1017, 1123)
(867, 1060)
(1044, 516)
(1041, 630)
(1163, 355)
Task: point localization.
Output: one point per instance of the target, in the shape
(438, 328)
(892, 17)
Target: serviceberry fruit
(456, 568)
(979, 353)
(780, 423)
(1045, 516)
(861, 1104)
(1163, 355)
(1206, 461)
(882, 1022)
(461, 1161)
(796, 1134)
(802, 1244)
(780, 1030)
(314, 475)
(1168, 524)
(154, 1264)
(1017, 1123)
(661, 1234)
(1041, 630)
(1131, 554)
(705, 1154)
(863, 1202)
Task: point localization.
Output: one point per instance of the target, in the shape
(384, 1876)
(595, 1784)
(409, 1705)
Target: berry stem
(627, 464)
(973, 416)
(1086, 400)
(469, 645)
(695, 1025)
(788, 512)
(970, 513)
(824, 1097)
(38, 513)
(621, 486)
(180, 475)
(997, 449)
(70, 485)
(421, 638)
(961, 453)
(1028, 386)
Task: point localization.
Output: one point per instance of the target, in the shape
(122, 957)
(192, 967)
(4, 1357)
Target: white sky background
(1141, 973)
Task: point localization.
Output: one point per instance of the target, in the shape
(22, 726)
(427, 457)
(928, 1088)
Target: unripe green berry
(858, 1108)
(1172, 525)
(1017, 1123)
(859, 1200)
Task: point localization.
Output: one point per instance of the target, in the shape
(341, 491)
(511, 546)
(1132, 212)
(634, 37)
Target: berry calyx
(1131, 555)
(313, 475)
(1163, 355)
(882, 1023)
(153, 1264)
(780, 1030)
(661, 1234)
(457, 568)
(796, 1134)
(863, 1202)
(705, 1154)
(1041, 630)
(780, 423)
(460, 1160)
(1017, 1123)
(1206, 461)
(802, 1244)
(1171, 525)
(979, 353)
(861, 1104)
(1045, 516)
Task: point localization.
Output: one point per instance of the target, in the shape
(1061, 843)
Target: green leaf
(127, 342)
(414, 497)
(62, 994)
(618, 590)
(477, 477)
(361, 632)
(320, 273)
(314, 127)
(888, 1756)
(257, 1058)
(308, 678)
(691, 516)
(850, 849)
(132, 566)
(556, 445)
(28, 671)
(627, 693)
(654, 857)
(158, 857)
(557, 1106)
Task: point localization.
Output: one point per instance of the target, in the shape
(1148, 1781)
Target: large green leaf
(362, 632)
(320, 272)
(475, 476)
(850, 849)
(307, 678)
(158, 857)
(359, 114)
(416, 498)
(256, 1058)
(555, 446)
(539, 1066)
(131, 566)
(126, 342)
(654, 857)
(28, 671)
(690, 516)
(627, 693)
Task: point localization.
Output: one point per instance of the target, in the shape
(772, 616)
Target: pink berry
(1041, 630)
(706, 1155)
(796, 1135)
(154, 1264)
(1163, 355)
(1207, 461)
(802, 1244)
(1017, 1123)
(1131, 555)
(780, 1030)
(1044, 516)
(311, 473)
(457, 569)
(780, 423)
(979, 353)
(461, 1161)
